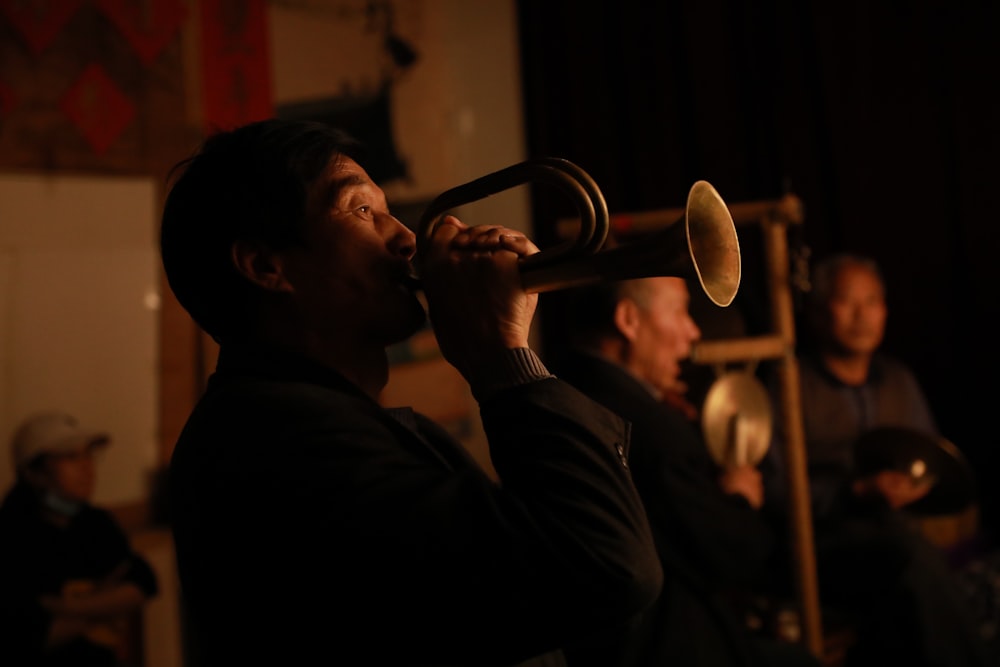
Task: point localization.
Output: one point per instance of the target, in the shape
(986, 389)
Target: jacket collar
(275, 363)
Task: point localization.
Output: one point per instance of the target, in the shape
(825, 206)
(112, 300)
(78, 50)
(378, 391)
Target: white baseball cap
(52, 433)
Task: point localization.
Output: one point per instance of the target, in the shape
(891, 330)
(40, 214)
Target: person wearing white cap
(68, 575)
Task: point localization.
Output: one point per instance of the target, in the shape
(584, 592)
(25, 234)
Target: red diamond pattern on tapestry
(98, 108)
(39, 21)
(7, 100)
(147, 26)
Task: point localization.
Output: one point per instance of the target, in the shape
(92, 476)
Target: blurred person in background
(70, 583)
(872, 464)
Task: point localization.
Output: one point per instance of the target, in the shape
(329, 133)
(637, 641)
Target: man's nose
(695, 331)
(402, 241)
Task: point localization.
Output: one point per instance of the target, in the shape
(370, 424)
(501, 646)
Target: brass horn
(702, 243)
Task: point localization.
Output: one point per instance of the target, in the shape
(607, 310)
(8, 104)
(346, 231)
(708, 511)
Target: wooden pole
(800, 516)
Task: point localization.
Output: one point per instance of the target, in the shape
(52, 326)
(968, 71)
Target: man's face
(856, 311)
(350, 276)
(664, 332)
(70, 476)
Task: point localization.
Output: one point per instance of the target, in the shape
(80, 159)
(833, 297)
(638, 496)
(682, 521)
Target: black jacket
(39, 558)
(315, 527)
(712, 546)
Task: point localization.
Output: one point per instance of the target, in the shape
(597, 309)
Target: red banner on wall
(98, 108)
(147, 26)
(235, 63)
(39, 23)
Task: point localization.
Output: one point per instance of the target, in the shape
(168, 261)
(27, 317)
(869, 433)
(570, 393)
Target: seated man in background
(848, 385)
(875, 568)
(315, 526)
(69, 579)
(629, 339)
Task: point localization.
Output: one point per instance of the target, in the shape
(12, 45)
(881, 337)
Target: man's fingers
(450, 235)
(517, 243)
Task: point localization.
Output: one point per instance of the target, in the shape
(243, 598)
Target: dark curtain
(882, 116)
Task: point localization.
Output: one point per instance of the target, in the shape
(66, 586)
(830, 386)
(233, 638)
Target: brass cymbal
(921, 455)
(736, 419)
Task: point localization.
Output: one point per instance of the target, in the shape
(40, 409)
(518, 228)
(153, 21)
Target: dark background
(881, 116)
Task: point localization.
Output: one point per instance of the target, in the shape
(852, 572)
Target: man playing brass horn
(314, 526)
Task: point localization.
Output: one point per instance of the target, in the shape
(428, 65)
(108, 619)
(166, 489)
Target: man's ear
(260, 265)
(627, 318)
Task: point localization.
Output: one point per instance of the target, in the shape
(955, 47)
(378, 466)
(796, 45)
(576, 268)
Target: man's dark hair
(824, 275)
(247, 184)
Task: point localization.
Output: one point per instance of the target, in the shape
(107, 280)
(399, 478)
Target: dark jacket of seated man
(713, 543)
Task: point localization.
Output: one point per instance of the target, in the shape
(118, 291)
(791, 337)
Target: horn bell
(702, 244)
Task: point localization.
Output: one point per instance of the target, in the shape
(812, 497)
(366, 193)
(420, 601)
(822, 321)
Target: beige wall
(78, 316)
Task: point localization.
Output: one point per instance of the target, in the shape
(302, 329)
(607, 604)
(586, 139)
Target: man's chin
(855, 347)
